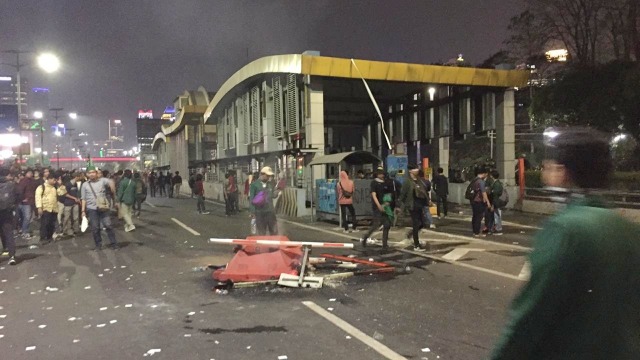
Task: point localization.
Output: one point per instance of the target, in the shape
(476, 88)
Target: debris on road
(152, 352)
(51, 289)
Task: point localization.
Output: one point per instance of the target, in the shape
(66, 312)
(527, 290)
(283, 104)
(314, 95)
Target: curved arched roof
(160, 137)
(370, 70)
(197, 104)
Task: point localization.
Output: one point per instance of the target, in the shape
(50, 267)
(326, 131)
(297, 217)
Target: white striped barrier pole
(280, 243)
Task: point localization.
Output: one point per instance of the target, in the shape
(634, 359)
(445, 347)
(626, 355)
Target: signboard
(145, 114)
(9, 123)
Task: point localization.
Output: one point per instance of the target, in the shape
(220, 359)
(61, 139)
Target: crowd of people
(59, 201)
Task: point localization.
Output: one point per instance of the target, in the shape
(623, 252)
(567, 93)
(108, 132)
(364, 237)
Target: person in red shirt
(346, 190)
(199, 192)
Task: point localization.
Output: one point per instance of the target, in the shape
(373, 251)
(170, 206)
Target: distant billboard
(169, 113)
(145, 114)
(9, 119)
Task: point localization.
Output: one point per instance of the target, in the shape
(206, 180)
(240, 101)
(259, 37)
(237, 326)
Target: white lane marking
(468, 218)
(458, 253)
(185, 227)
(472, 239)
(150, 204)
(461, 264)
(525, 273)
(353, 331)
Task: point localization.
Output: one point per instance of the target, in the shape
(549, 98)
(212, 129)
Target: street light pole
(55, 116)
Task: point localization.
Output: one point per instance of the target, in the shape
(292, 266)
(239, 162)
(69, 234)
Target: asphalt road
(64, 301)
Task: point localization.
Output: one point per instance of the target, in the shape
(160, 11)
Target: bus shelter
(326, 197)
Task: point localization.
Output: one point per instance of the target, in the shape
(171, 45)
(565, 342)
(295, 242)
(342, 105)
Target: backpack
(470, 193)
(141, 190)
(420, 190)
(7, 195)
(503, 199)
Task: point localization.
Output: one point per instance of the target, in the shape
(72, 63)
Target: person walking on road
(160, 184)
(126, 196)
(168, 184)
(141, 193)
(26, 190)
(581, 301)
(346, 189)
(441, 188)
(8, 199)
(71, 201)
(497, 189)
(95, 206)
(176, 181)
(382, 194)
(192, 184)
(414, 197)
(152, 183)
(261, 195)
(477, 192)
(47, 205)
(199, 191)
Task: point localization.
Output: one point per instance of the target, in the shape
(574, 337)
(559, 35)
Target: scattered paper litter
(216, 342)
(99, 275)
(191, 313)
(164, 293)
(348, 337)
(123, 267)
(87, 287)
(332, 299)
(30, 348)
(282, 357)
(32, 277)
(248, 347)
(76, 341)
(128, 305)
(3, 316)
(187, 335)
(105, 270)
(103, 308)
(152, 351)
(33, 247)
(101, 325)
(71, 319)
(51, 289)
(127, 279)
(49, 308)
(330, 309)
(42, 326)
(87, 326)
(113, 321)
(143, 272)
(426, 350)
(32, 293)
(1, 336)
(154, 306)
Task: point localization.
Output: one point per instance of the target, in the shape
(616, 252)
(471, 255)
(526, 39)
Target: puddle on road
(251, 330)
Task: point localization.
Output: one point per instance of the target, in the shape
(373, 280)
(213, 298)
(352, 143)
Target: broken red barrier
(260, 262)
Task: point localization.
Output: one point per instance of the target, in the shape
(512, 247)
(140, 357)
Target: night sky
(122, 55)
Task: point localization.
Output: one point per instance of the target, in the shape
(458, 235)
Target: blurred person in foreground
(583, 296)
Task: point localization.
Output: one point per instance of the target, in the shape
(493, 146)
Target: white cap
(267, 171)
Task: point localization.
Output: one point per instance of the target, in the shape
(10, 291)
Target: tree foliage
(591, 30)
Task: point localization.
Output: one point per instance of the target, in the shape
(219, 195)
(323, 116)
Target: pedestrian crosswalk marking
(458, 253)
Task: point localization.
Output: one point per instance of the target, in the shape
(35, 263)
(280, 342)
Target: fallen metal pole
(281, 243)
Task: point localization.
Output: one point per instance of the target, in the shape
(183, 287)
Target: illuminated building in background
(8, 93)
(145, 114)
(560, 55)
(39, 100)
(169, 113)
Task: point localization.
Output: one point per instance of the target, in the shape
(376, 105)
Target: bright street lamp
(73, 115)
(38, 114)
(48, 62)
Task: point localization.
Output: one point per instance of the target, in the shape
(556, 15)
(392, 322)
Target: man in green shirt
(261, 195)
(584, 293)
